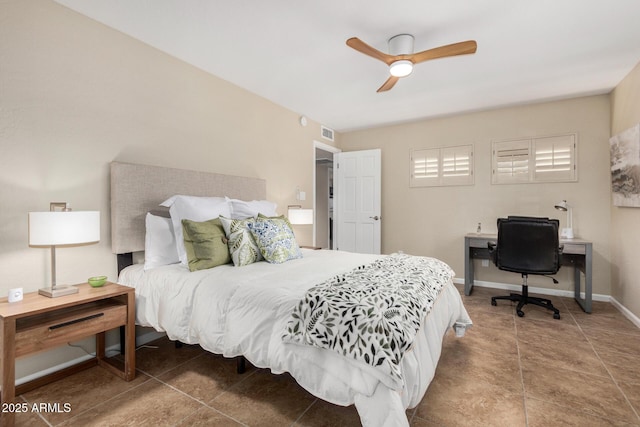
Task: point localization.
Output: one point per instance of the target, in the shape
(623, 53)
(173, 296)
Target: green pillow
(205, 244)
(242, 246)
(275, 239)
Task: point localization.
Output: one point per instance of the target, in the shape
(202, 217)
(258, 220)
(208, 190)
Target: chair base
(524, 298)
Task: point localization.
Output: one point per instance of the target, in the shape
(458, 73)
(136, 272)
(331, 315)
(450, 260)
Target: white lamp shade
(63, 228)
(300, 216)
(567, 232)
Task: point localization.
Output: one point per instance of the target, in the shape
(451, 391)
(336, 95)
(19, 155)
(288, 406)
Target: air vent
(326, 133)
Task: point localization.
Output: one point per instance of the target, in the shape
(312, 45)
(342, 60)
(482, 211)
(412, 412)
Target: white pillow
(159, 242)
(241, 209)
(196, 209)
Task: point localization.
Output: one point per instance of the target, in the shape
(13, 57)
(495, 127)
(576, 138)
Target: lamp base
(566, 233)
(59, 291)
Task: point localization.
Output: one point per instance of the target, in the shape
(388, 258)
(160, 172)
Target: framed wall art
(625, 167)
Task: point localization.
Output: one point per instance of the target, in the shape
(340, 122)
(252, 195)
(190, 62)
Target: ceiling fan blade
(391, 81)
(461, 48)
(362, 47)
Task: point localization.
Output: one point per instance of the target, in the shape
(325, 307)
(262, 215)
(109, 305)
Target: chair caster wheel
(493, 302)
(556, 315)
(520, 313)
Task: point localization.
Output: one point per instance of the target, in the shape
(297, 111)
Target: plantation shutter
(554, 158)
(425, 168)
(541, 159)
(442, 166)
(457, 165)
(511, 162)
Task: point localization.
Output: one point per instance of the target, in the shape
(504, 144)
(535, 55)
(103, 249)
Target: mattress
(243, 311)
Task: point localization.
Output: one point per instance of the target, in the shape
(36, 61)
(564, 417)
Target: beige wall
(433, 221)
(625, 222)
(76, 95)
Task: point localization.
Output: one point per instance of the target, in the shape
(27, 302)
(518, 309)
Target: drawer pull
(72, 322)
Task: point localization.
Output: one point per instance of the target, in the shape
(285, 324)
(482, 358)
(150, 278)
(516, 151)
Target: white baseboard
(147, 337)
(140, 340)
(557, 292)
(542, 291)
(53, 369)
(625, 311)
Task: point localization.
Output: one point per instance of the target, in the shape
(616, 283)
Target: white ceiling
(293, 52)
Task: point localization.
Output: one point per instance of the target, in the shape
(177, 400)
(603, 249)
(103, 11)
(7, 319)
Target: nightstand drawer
(59, 327)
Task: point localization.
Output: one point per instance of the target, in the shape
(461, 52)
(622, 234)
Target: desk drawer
(38, 333)
(478, 242)
(573, 248)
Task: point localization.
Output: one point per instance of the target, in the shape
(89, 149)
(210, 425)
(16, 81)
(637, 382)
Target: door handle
(375, 218)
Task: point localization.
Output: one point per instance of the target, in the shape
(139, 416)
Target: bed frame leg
(241, 364)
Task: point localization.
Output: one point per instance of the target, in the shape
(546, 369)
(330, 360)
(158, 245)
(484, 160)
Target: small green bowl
(97, 281)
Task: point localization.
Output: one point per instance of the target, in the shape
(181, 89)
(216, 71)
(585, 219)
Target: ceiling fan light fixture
(401, 68)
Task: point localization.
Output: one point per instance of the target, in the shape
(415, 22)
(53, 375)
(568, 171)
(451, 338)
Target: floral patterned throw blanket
(372, 313)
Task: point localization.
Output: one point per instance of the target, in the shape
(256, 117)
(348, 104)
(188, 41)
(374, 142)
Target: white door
(357, 178)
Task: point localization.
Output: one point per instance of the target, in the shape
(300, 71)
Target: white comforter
(237, 311)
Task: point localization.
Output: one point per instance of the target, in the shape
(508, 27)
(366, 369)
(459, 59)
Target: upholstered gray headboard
(138, 189)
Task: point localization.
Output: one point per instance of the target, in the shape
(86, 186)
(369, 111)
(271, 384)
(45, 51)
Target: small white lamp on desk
(567, 232)
(60, 226)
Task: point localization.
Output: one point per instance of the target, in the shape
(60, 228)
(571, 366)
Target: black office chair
(527, 245)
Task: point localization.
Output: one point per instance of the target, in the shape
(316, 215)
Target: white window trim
(442, 166)
(551, 158)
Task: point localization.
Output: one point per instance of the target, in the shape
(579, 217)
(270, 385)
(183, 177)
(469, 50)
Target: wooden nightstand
(38, 323)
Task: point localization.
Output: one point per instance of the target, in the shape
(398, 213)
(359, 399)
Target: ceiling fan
(401, 58)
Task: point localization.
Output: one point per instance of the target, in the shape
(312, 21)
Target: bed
(257, 311)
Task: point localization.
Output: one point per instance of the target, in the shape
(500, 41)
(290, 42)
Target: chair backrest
(528, 245)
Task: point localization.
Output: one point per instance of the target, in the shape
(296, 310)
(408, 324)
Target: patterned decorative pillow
(205, 244)
(275, 239)
(242, 246)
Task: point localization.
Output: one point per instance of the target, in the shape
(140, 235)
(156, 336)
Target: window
(442, 166)
(544, 159)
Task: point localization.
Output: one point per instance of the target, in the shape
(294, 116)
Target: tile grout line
(245, 375)
(304, 412)
(173, 367)
(611, 377)
(24, 399)
(520, 364)
(204, 404)
(524, 391)
(104, 402)
(615, 382)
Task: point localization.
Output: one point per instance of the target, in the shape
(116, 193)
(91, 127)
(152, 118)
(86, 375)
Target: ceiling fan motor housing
(402, 44)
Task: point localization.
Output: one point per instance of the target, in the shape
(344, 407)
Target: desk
(577, 253)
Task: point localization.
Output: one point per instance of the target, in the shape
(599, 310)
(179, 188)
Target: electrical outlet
(485, 263)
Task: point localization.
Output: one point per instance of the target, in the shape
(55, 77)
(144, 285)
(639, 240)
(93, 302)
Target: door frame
(331, 149)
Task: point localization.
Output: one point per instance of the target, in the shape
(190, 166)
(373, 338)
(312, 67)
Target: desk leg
(587, 279)
(585, 302)
(468, 268)
(7, 369)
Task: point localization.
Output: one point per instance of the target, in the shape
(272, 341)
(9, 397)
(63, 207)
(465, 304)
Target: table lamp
(567, 232)
(299, 216)
(60, 226)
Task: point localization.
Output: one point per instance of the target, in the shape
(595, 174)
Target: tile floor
(581, 370)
